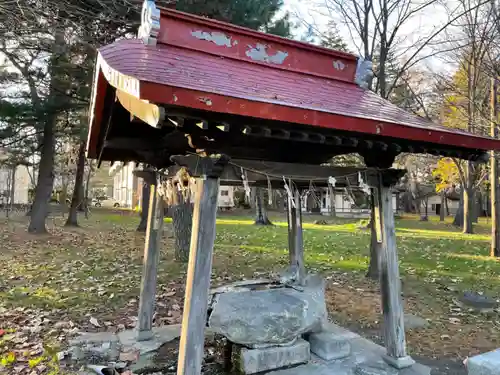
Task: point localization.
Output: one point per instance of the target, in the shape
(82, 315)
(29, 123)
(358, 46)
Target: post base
(399, 363)
(144, 335)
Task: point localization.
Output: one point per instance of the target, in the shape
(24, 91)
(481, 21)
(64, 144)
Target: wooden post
(292, 218)
(390, 283)
(207, 172)
(299, 241)
(151, 255)
(495, 208)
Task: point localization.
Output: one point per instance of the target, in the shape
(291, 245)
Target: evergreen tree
(332, 39)
(262, 15)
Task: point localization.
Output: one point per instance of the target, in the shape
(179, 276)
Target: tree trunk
(476, 206)
(468, 200)
(45, 181)
(47, 141)
(13, 187)
(81, 195)
(64, 192)
(182, 220)
(86, 193)
(468, 205)
(373, 267)
(447, 206)
(261, 212)
(77, 198)
(441, 210)
(145, 207)
(458, 221)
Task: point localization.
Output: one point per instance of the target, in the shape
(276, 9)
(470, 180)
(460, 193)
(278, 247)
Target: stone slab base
(253, 361)
(484, 364)
(130, 339)
(329, 346)
(399, 363)
(374, 369)
(106, 348)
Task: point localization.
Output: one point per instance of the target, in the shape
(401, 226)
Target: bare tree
(467, 98)
(78, 193)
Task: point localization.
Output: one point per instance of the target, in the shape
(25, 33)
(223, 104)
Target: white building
(127, 188)
(321, 202)
(434, 202)
(226, 197)
(14, 179)
(22, 184)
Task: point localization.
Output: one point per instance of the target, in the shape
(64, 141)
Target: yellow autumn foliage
(445, 173)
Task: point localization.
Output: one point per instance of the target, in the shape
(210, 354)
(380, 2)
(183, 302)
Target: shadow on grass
(423, 253)
(430, 250)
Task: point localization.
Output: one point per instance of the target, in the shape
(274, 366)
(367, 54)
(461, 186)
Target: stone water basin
(262, 313)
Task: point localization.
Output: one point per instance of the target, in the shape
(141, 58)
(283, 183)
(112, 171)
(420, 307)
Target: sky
(314, 12)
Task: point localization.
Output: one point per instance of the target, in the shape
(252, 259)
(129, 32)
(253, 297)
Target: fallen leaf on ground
(94, 322)
(129, 356)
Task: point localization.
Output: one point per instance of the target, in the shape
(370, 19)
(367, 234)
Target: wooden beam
(302, 136)
(396, 148)
(151, 255)
(381, 146)
(390, 282)
(224, 127)
(266, 131)
(321, 138)
(285, 134)
(202, 125)
(367, 144)
(192, 340)
(350, 141)
(177, 121)
(334, 140)
(128, 143)
(273, 172)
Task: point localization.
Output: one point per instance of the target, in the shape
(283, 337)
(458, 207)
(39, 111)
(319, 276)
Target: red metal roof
(211, 66)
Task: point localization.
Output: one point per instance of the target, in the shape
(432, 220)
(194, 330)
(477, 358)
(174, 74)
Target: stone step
(484, 364)
(329, 346)
(252, 361)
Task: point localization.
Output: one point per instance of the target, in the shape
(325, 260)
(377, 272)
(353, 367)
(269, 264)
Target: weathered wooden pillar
(299, 239)
(151, 255)
(207, 172)
(292, 218)
(390, 283)
(495, 209)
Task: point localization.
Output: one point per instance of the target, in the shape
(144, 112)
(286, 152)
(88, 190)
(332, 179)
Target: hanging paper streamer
(362, 185)
(246, 186)
(312, 191)
(332, 181)
(289, 193)
(269, 192)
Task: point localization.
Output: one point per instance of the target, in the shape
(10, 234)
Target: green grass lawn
(95, 271)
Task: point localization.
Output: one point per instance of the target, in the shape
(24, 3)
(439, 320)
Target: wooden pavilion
(194, 92)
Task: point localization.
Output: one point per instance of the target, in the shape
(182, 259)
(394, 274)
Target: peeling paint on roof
(216, 37)
(259, 53)
(339, 65)
(207, 101)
